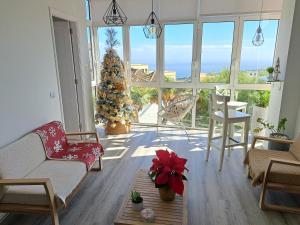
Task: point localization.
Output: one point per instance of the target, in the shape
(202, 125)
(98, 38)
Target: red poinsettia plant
(167, 171)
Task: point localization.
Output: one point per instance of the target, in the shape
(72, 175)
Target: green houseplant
(261, 103)
(137, 201)
(276, 132)
(270, 70)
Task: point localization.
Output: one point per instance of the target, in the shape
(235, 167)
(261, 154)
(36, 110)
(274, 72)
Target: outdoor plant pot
(278, 146)
(166, 194)
(258, 112)
(137, 206)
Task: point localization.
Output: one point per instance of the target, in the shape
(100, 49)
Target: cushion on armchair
(258, 161)
(64, 176)
(21, 157)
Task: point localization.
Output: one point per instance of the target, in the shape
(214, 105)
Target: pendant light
(152, 28)
(114, 15)
(258, 38)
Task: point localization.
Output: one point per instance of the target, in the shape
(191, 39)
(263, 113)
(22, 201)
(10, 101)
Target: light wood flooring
(214, 198)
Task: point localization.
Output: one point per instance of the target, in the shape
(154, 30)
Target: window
(89, 39)
(143, 56)
(178, 52)
(87, 10)
(145, 103)
(171, 95)
(202, 108)
(255, 59)
(217, 39)
(102, 39)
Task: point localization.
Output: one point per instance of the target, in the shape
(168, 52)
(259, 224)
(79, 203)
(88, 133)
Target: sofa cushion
(21, 157)
(64, 176)
(258, 161)
(295, 148)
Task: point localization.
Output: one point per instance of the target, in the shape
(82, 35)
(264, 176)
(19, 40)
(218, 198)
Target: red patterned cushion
(56, 145)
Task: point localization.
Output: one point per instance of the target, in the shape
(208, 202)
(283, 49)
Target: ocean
(184, 70)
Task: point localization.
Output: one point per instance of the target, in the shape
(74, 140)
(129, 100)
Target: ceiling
(137, 10)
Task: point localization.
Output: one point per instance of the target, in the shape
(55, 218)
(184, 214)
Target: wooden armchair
(275, 170)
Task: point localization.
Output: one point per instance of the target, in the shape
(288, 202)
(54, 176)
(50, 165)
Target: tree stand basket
(118, 129)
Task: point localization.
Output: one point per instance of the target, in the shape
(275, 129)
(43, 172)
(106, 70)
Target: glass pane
(253, 98)
(202, 108)
(143, 56)
(145, 102)
(87, 10)
(92, 74)
(89, 39)
(255, 59)
(217, 39)
(171, 95)
(178, 52)
(102, 39)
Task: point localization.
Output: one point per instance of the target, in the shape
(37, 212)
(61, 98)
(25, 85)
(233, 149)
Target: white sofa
(31, 184)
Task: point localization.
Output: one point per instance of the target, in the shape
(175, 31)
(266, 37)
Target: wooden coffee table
(166, 213)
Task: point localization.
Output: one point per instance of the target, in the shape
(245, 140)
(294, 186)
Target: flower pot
(137, 206)
(166, 194)
(278, 146)
(270, 77)
(258, 112)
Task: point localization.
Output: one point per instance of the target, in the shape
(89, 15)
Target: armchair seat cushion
(258, 161)
(64, 176)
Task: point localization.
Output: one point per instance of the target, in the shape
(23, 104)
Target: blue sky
(216, 46)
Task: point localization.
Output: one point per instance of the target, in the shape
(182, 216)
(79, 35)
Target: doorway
(67, 58)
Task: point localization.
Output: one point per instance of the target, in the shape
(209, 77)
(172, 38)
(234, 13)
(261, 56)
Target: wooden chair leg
(100, 165)
(224, 137)
(210, 135)
(262, 196)
(246, 136)
(54, 217)
(230, 134)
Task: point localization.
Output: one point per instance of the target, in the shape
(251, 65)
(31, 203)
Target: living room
(92, 91)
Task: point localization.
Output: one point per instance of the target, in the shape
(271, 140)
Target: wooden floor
(214, 198)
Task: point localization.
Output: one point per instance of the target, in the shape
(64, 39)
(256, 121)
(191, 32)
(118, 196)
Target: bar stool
(219, 112)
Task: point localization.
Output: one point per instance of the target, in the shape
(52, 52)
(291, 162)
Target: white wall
(291, 92)
(27, 65)
(170, 10)
(282, 50)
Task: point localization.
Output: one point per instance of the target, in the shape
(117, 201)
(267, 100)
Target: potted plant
(137, 201)
(270, 70)
(260, 108)
(167, 173)
(276, 132)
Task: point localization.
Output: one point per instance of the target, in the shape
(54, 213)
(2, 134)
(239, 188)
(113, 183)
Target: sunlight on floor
(143, 151)
(114, 152)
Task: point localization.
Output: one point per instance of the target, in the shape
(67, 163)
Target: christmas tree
(113, 103)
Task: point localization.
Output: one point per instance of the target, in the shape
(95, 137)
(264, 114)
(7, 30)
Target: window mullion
(126, 53)
(235, 59)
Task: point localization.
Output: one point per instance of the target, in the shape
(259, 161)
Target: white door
(67, 74)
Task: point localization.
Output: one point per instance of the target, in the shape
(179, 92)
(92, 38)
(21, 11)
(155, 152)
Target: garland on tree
(113, 104)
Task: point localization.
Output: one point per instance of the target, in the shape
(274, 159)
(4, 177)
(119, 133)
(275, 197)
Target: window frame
(195, 84)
